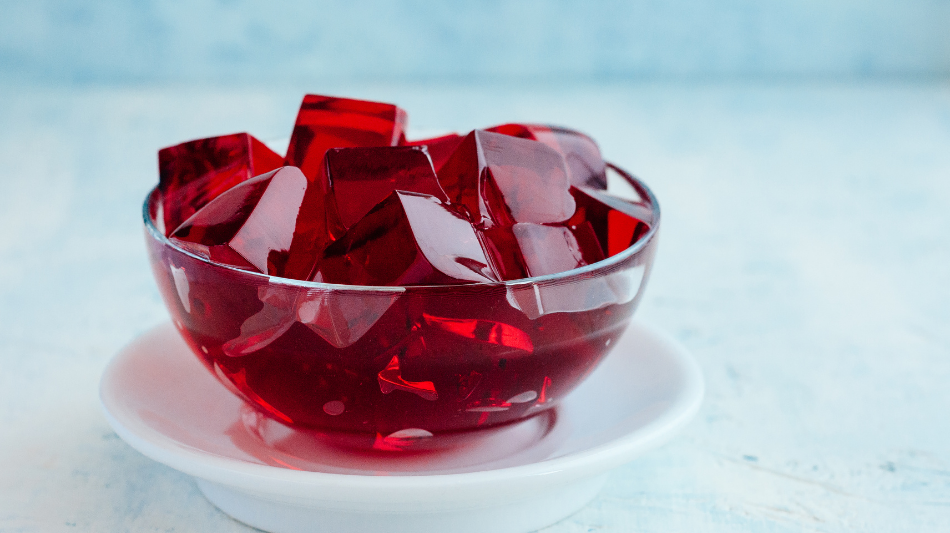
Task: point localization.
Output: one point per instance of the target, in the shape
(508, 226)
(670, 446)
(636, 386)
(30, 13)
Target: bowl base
(538, 510)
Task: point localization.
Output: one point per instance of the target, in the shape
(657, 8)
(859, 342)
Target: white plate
(161, 400)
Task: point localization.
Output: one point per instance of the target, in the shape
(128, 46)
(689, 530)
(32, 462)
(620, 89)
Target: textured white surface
(803, 260)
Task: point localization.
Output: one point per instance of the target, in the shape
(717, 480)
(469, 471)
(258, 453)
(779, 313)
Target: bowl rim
(606, 264)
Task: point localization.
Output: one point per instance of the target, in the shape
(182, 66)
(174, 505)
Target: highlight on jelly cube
(407, 239)
(552, 249)
(499, 180)
(585, 165)
(527, 250)
(253, 224)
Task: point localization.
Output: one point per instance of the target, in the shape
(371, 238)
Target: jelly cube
(529, 250)
(276, 316)
(586, 294)
(440, 148)
(591, 249)
(325, 122)
(408, 239)
(585, 165)
(360, 178)
(208, 231)
(317, 226)
(253, 224)
(502, 250)
(499, 180)
(342, 318)
(192, 174)
(548, 249)
(617, 222)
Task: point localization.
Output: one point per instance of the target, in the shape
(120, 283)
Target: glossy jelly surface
(414, 358)
(408, 239)
(362, 177)
(250, 226)
(326, 122)
(193, 173)
(585, 165)
(500, 180)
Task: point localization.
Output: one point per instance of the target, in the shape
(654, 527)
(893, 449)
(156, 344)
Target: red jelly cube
(553, 249)
(531, 250)
(584, 162)
(440, 148)
(408, 239)
(253, 224)
(196, 172)
(360, 178)
(325, 122)
(502, 250)
(502, 180)
(277, 314)
(341, 317)
(616, 222)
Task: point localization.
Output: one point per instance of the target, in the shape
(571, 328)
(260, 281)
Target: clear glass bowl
(413, 361)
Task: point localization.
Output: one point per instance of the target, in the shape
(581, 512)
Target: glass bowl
(405, 362)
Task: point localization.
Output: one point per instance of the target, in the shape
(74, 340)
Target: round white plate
(165, 404)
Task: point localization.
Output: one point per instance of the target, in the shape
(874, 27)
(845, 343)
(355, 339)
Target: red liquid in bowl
(386, 359)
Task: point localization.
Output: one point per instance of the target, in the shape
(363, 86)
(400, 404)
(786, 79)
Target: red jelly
(466, 356)
(529, 250)
(252, 225)
(616, 222)
(440, 148)
(342, 318)
(390, 379)
(497, 180)
(360, 178)
(408, 239)
(421, 324)
(325, 122)
(278, 314)
(192, 174)
(552, 249)
(581, 153)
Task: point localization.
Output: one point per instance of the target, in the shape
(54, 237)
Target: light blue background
(240, 41)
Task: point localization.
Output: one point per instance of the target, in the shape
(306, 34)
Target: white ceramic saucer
(518, 478)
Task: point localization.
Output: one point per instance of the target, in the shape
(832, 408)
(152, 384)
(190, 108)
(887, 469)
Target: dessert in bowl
(392, 287)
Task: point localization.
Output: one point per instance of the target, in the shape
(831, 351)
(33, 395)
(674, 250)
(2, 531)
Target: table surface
(803, 259)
